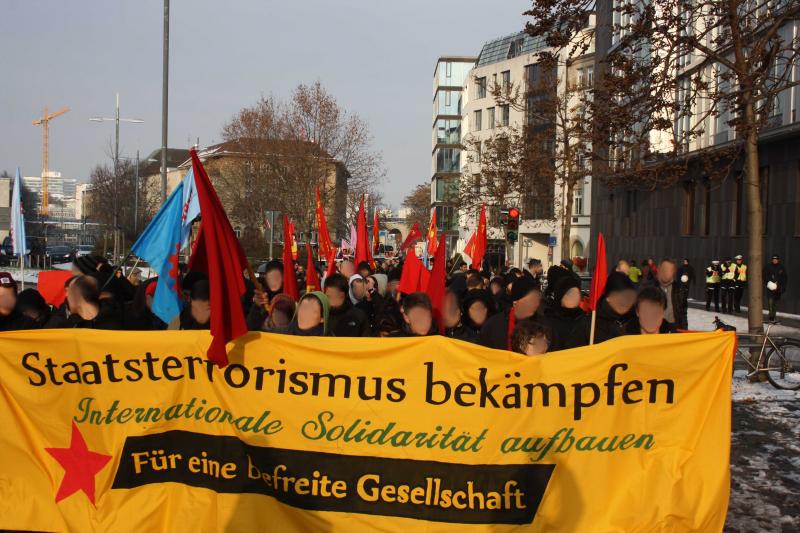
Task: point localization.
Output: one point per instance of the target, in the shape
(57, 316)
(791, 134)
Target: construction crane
(44, 122)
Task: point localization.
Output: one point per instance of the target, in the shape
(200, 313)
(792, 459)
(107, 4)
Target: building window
(480, 86)
(506, 79)
(477, 120)
(446, 218)
(577, 202)
(490, 121)
(705, 211)
(446, 189)
(581, 82)
(687, 227)
(515, 48)
(532, 76)
(589, 76)
(448, 131)
(448, 103)
(763, 175)
(448, 159)
(504, 115)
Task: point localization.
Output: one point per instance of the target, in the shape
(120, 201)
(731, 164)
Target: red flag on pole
(435, 287)
(289, 276)
(312, 276)
(600, 273)
(362, 241)
(432, 235)
(331, 260)
(324, 238)
(469, 249)
(410, 276)
(375, 234)
(480, 241)
(218, 252)
(413, 235)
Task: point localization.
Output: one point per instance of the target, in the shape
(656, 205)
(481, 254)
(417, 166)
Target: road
(765, 447)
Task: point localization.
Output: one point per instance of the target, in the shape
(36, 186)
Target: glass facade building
(449, 81)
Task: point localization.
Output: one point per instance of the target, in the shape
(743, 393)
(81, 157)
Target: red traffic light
(513, 212)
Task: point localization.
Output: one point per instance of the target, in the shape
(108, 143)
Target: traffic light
(512, 225)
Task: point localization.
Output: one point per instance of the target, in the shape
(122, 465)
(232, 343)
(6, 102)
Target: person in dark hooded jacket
(346, 320)
(564, 311)
(11, 316)
(311, 317)
(476, 308)
(417, 313)
(526, 295)
(615, 310)
(453, 320)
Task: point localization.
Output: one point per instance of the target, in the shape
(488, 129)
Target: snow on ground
(765, 445)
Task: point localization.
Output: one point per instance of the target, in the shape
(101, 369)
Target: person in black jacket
(477, 307)
(33, 305)
(564, 312)
(614, 311)
(526, 297)
(86, 308)
(775, 279)
(651, 304)
(11, 318)
(417, 316)
(676, 292)
(453, 324)
(346, 320)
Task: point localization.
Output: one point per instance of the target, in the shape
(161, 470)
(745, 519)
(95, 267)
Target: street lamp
(116, 119)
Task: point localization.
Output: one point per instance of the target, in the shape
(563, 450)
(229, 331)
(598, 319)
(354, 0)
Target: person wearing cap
(775, 278)
(727, 285)
(713, 279)
(740, 283)
(562, 315)
(526, 297)
(85, 264)
(614, 312)
(33, 305)
(11, 318)
(476, 308)
(346, 320)
(453, 319)
(86, 309)
(311, 317)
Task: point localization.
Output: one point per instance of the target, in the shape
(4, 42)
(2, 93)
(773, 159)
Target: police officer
(713, 278)
(728, 285)
(740, 282)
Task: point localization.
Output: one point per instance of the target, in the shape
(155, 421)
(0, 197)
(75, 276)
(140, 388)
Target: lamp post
(116, 119)
(164, 103)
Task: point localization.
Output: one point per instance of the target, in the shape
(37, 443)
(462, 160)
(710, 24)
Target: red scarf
(512, 322)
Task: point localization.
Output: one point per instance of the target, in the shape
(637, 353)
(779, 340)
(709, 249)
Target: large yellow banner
(135, 431)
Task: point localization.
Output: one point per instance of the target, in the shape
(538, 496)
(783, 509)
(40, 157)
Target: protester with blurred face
(417, 316)
(614, 312)
(530, 338)
(650, 306)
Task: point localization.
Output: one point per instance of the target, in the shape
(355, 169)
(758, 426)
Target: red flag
(600, 273)
(480, 241)
(469, 249)
(312, 276)
(219, 253)
(294, 241)
(413, 235)
(331, 259)
(435, 287)
(51, 286)
(432, 235)
(324, 238)
(362, 241)
(424, 278)
(375, 234)
(289, 276)
(410, 276)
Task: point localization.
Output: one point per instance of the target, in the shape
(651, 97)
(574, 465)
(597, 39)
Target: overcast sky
(376, 57)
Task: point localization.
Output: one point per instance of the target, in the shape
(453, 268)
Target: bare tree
(678, 67)
(418, 203)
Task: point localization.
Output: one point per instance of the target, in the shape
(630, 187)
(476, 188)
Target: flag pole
(591, 331)
(22, 270)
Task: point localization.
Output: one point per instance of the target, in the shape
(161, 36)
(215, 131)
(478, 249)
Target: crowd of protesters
(525, 310)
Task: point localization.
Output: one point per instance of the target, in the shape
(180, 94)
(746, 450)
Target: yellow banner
(134, 431)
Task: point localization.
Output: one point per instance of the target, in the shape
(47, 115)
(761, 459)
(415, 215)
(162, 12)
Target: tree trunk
(566, 219)
(755, 222)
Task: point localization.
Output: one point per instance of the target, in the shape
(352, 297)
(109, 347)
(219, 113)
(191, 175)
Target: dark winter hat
(566, 263)
(522, 287)
(618, 282)
(191, 278)
(7, 280)
(394, 275)
(363, 265)
(478, 295)
(562, 286)
(554, 274)
(31, 299)
(86, 263)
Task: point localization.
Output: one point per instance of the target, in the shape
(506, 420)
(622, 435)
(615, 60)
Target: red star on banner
(80, 466)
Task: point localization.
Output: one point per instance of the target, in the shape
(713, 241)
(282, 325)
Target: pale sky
(376, 57)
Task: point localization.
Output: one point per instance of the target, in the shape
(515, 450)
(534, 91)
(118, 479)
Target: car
(59, 253)
(83, 250)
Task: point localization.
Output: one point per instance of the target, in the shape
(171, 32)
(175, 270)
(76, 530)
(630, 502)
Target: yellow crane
(44, 122)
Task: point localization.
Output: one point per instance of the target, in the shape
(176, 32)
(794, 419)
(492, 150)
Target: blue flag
(159, 245)
(191, 207)
(17, 220)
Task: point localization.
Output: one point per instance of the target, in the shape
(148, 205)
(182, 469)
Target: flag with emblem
(159, 245)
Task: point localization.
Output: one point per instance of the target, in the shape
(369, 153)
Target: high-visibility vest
(742, 276)
(729, 272)
(712, 275)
